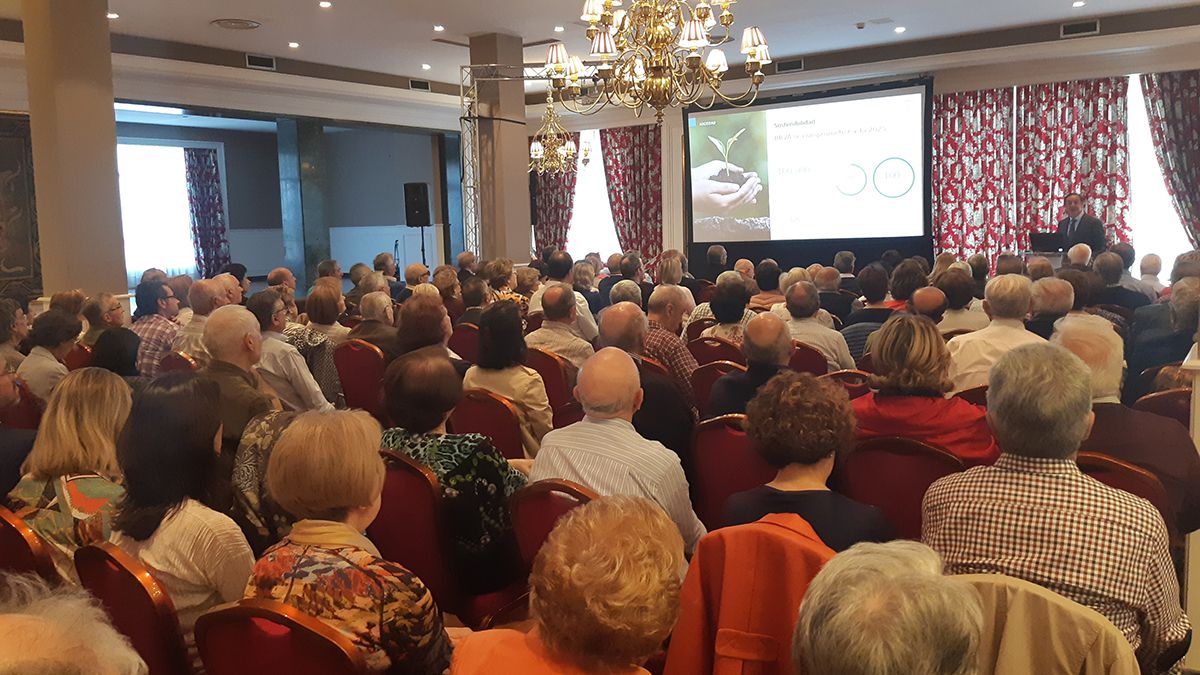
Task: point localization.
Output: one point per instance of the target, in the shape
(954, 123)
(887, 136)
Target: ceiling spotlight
(294, 45)
(438, 28)
(1078, 3)
(426, 66)
(899, 29)
(325, 4)
(113, 15)
(559, 29)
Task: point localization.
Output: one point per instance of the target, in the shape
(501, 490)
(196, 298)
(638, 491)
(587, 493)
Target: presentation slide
(845, 167)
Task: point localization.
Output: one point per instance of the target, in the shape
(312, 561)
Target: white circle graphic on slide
(852, 181)
(894, 177)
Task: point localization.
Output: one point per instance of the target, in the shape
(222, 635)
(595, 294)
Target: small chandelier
(552, 149)
(658, 54)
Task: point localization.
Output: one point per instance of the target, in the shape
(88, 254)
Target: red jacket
(741, 598)
(952, 423)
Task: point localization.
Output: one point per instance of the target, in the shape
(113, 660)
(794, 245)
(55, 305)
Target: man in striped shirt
(604, 452)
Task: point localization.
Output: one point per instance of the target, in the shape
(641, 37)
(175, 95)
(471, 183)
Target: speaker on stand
(416, 212)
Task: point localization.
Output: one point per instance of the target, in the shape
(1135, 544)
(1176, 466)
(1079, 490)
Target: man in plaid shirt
(154, 323)
(1035, 516)
(668, 305)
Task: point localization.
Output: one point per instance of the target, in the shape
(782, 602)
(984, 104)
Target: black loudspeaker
(416, 205)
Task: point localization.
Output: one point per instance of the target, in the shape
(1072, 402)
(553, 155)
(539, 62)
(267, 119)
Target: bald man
(204, 296)
(233, 338)
(558, 334)
(605, 453)
(746, 268)
(767, 344)
(803, 302)
(281, 276)
(668, 305)
(929, 302)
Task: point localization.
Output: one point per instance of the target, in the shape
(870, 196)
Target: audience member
(181, 285)
(1157, 316)
(1035, 516)
(905, 279)
(70, 302)
(154, 274)
(475, 297)
(233, 287)
(745, 268)
(329, 268)
(1007, 300)
(102, 311)
(886, 608)
(625, 290)
(873, 282)
(71, 481)
(1110, 268)
(583, 280)
(717, 260)
(15, 444)
(425, 323)
(1039, 267)
(728, 279)
(908, 397)
(1079, 257)
(205, 296)
(323, 306)
(116, 351)
(941, 263)
(668, 305)
(611, 266)
(14, 328)
(687, 280)
(1128, 257)
(630, 270)
(557, 335)
(803, 302)
(979, 272)
(502, 280)
(1151, 348)
(768, 348)
(282, 276)
(558, 270)
(239, 272)
(280, 365)
(1150, 268)
(839, 304)
(154, 323)
(766, 275)
(446, 281)
(378, 325)
(1052, 299)
(605, 453)
(528, 281)
(843, 262)
(53, 337)
(369, 282)
(385, 264)
(1008, 263)
(728, 307)
(234, 340)
(468, 266)
(929, 302)
(502, 371)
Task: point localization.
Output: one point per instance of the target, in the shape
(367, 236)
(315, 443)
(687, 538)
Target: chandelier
(657, 54)
(552, 149)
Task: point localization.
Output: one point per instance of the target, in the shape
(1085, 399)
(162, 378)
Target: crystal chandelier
(658, 54)
(552, 149)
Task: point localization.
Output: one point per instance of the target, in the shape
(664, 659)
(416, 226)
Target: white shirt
(282, 367)
(585, 323)
(610, 457)
(42, 372)
(822, 316)
(972, 355)
(828, 341)
(963, 319)
(1153, 282)
(560, 339)
(190, 340)
(1127, 281)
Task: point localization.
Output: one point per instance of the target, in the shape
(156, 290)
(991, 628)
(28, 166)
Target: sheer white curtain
(592, 226)
(1153, 221)
(155, 215)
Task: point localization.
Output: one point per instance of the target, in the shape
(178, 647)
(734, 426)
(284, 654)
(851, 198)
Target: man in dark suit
(1080, 228)
(474, 296)
(768, 346)
(467, 266)
(839, 304)
(844, 262)
(718, 261)
(631, 268)
(1157, 347)
(1110, 267)
(376, 326)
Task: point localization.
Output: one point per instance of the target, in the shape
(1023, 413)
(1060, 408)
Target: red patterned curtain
(1173, 108)
(1072, 137)
(553, 203)
(633, 168)
(973, 209)
(208, 210)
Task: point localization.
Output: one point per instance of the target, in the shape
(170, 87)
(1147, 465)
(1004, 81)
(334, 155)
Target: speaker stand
(423, 261)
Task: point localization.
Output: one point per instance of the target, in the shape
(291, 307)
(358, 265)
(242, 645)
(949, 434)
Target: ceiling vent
(260, 62)
(1079, 29)
(789, 65)
(419, 85)
(236, 24)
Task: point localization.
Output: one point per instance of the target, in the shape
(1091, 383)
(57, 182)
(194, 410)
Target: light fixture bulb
(592, 11)
(603, 45)
(694, 35)
(294, 45)
(763, 54)
(899, 29)
(752, 38)
(716, 61)
(536, 151)
(325, 4)
(1078, 3)
(559, 29)
(438, 28)
(556, 56)
(426, 66)
(113, 15)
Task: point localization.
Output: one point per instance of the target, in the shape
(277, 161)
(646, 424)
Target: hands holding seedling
(716, 197)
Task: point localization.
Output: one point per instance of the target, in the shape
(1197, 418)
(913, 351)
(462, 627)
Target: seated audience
(667, 307)
(717, 260)
(102, 311)
(929, 302)
(887, 608)
(181, 285)
(239, 272)
(843, 262)
(941, 263)
(558, 270)
(604, 452)
(424, 322)
(1111, 268)
(326, 471)
(69, 302)
(53, 337)
(557, 334)
(1039, 267)
(1079, 257)
(728, 279)
(116, 352)
(323, 306)
(475, 298)
(1009, 263)
(746, 268)
(154, 323)
(14, 329)
(803, 301)
(625, 291)
(1151, 348)
(906, 278)
(799, 424)
(15, 444)
(153, 274)
(1035, 516)
(234, 339)
(828, 282)
(468, 266)
(766, 275)
(168, 518)
(674, 263)
(331, 269)
(385, 264)
(1007, 300)
(979, 272)
(912, 377)
(1158, 315)
(369, 282)
(416, 274)
(728, 306)
(528, 281)
(1150, 268)
(1053, 299)
(583, 276)
(420, 391)
(604, 595)
(873, 281)
(281, 276)
(378, 324)
(204, 296)
(1128, 257)
(447, 283)
(71, 482)
(502, 371)
(502, 282)
(233, 287)
(280, 365)
(768, 348)
(317, 349)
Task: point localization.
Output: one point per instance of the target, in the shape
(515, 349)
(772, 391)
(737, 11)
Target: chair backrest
(264, 636)
(1173, 403)
(1128, 477)
(806, 359)
(866, 363)
(138, 605)
(482, 412)
(80, 356)
(537, 507)
(555, 372)
(1119, 310)
(893, 474)
(27, 413)
(22, 551)
(723, 464)
(704, 377)
(976, 395)
(695, 328)
(464, 341)
(655, 366)
(175, 362)
(707, 290)
(360, 367)
(856, 382)
(533, 321)
(710, 349)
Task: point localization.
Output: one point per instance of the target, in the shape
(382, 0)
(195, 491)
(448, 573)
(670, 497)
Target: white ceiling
(396, 37)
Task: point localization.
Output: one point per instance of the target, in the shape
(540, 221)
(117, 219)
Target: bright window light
(1154, 223)
(155, 215)
(592, 226)
(139, 107)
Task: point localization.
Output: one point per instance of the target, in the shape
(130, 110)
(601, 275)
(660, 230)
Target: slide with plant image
(843, 167)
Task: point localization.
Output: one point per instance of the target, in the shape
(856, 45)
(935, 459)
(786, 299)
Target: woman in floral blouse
(502, 283)
(420, 389)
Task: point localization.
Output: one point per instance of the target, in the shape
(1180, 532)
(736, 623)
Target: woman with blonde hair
(70, 483)
(326, 471)
(501, 278)
(583, 280)
(912, 367)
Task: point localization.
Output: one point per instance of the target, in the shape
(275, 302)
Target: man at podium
(1080, 228)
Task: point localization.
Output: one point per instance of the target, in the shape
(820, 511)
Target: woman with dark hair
(906, 279)
(501, 370)
(116, 351)
(728, 305)
(14, 327)
(53, 337)
(420, 391)
(168, 456)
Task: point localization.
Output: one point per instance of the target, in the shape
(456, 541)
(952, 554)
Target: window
(591, 228)
(1153, 221)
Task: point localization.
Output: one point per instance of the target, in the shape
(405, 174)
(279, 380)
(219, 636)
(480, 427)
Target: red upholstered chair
(80, 356)
(707, 290)
(138, 605)
(855, 381)
(556, 375)
(464, 341)
(567, 415)
(1128, 477)
(1145, 380)
(22, 551)
(533, 321)
(893, 474)
(351, 321)
(705, 376)
(537, 507)
(175, 362)
(976, 395)
(482, 412)
(806, 359)
(695, 328)
(1173, 403)
(866, 363)
(264, 636)
(710, 349)
(27, 413)
(649, 365)
(723, 464)
(360, 367)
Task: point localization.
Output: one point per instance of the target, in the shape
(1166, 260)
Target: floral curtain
(208, 210)
(973, 210)
(1173, 108)
(633, 169)
(553, 203)
(1072, 137)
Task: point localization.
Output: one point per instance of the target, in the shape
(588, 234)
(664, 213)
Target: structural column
(302, 184)
(69, 68)
(503, 153)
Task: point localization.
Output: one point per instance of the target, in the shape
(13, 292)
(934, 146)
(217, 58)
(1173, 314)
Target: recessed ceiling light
(899, 29)
(438, 28)
(426, 66)
(294, 45)
(113, 15)
(325, 4)
(559, 29)
(1078, 3)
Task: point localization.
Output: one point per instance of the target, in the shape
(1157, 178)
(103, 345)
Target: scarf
(330, 534)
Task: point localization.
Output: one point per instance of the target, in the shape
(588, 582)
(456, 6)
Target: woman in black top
(798, 423)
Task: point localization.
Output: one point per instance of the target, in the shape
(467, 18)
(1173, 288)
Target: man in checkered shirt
(668, 305)
(1035, 516)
